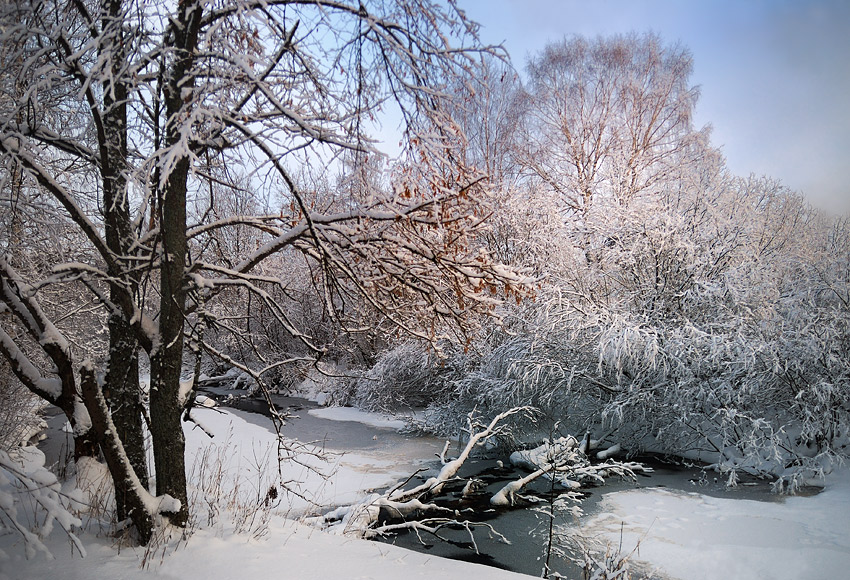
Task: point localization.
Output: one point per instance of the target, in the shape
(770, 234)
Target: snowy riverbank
(287, 550)
(682, 535)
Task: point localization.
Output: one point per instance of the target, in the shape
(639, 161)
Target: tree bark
(122, 377)
(116, 459)
(167, 357)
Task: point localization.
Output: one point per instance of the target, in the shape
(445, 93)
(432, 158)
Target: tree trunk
(119, 465)
(124, 398)
(122, 376)
(167, 357)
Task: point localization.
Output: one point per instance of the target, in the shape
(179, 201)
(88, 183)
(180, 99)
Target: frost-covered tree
(489, 111)
(137, 123)
(680, 308)
(606, 118)
(712, 327)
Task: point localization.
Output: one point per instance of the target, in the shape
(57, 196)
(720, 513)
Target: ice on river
(246, 439)
(356, 415)
(698, 537)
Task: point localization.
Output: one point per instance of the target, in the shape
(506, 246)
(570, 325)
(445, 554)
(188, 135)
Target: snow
(340, 479)
(185, 390)
(699, 537)
(682, 535)
(358, 416)
(292, 552)
(289, 550)
(611, 451)
(30, 521)
(204, 401)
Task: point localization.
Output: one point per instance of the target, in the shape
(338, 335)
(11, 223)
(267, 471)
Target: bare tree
(607, 118)
(489, 110)
(135, 118)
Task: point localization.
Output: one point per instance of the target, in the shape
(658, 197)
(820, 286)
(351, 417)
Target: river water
(526, 528)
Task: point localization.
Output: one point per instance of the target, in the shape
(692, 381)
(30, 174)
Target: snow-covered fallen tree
(419, 508)
(398, 509)
(566, 461)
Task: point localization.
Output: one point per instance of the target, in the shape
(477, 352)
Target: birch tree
(607, 118)
(131, 119)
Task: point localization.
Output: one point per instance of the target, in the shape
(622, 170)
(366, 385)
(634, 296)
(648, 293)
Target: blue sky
(774, 74)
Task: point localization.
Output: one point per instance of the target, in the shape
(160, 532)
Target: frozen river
(679, 522)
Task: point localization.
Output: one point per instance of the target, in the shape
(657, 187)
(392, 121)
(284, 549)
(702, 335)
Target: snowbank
(291, 552)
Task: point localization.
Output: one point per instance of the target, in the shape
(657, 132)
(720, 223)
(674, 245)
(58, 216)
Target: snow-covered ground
(287, 550)
(697, 537)
(340, 478)
(290, 551)
(682, 535)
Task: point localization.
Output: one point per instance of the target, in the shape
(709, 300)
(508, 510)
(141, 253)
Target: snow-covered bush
(714, 327)
(612, 565)
(408, 376)
(754, 370)
(20, 420)
(32, 502)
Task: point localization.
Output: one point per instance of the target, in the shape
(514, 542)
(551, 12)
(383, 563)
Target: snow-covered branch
(409, 505)
(25, 474)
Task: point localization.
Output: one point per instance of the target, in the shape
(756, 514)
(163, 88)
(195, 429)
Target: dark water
(526, 528)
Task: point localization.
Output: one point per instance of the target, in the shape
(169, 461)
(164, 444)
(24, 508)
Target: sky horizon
(774, 75)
